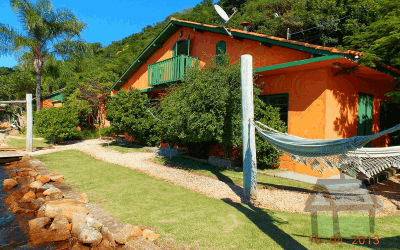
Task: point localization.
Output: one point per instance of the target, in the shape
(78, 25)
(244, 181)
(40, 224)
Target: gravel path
(276, 199)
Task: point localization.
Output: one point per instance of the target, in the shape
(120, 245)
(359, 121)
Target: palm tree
(46, 31)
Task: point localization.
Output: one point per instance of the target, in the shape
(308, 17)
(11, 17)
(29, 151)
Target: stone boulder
(33, 173)
(9, 183)
(84, 198)
(11, 173)
(16, 196)
(28, 197)
(89, 235)
(51, 190)
(38, 223)
(59, 222)
(57, 177)
(104, 245)
(150, 235)
(79, 246)
(43, 178)
(140, 244)
(108, 236)
(36, 184)
(64, 207)
(127, 233)
(45, 235)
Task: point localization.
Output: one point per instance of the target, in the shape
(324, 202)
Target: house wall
(203, 46)
(45, 103)
(342, 104)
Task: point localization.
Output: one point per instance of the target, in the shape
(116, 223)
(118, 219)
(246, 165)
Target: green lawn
(20, 143)
(191, 218)
(232, 176)
(125, 147)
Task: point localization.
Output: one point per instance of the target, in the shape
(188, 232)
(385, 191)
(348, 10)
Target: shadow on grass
(266, 223)
(374, 243)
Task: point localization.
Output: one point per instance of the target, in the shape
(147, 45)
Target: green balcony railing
(170, 70)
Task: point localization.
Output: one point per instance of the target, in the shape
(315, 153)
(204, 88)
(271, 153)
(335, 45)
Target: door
(365, 105)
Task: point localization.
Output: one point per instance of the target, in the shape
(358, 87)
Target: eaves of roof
(175, 24)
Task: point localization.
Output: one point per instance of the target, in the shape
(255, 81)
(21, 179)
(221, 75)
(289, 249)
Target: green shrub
(89, 133)
(23, 130)
(107, 131)
(57, 123)
(128, 112)
(206, 109)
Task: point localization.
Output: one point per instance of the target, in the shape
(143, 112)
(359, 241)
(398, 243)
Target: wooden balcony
(170, 70)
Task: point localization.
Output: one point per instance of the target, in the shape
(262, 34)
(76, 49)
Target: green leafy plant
(57, 124)
(128, 112)
(206, 109)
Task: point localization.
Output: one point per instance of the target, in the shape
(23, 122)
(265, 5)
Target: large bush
(57, 123)
(206, 109)
(128, 112)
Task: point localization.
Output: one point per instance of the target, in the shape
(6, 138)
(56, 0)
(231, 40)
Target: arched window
(220, 49)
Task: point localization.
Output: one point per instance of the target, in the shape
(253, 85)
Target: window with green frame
(220, 49)
(280, 101)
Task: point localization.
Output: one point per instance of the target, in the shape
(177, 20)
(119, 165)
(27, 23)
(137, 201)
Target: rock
(23, 172)
(107, 235)
(69, 227)
(142, 228)
(40, 195)
(150, 235)
(11, 173)
(79, 246)
(92, 222)
(65, 207)
(52, 190)
(57, 177)
(33, 173)
(59, 222)
(36, 184)
(78, 221)
(9, 183)
(126, 234)
(38, 223)
(104, 245)
(16, 196)
(54, 196)
(88, 235)
(43, 235)
(28, 197)
(39, 202)
(40, 213)
(84, 198)
(140, 244)
(43, 178)
(22, 179)
(13, 132)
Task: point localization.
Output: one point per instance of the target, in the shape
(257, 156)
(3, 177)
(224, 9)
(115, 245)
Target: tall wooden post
(248, 130)
(29, 121)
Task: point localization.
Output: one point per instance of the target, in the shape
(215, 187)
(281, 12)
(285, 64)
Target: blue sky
(107, 20)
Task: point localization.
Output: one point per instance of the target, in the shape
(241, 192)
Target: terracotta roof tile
(333, 50)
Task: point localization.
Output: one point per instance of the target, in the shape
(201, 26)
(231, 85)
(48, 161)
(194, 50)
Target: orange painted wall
(45, 103)
(203, 46)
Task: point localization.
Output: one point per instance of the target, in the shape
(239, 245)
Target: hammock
(344, 154)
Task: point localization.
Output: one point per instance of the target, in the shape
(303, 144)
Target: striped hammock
(344, 154)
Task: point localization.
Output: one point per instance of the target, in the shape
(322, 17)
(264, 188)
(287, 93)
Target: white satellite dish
(224, 16)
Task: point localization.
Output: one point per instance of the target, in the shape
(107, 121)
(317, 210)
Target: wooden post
(29, 121)
(248, 130)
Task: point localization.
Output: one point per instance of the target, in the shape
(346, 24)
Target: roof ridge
(319, 47)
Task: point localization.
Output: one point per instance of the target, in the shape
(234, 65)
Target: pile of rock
(59, 219)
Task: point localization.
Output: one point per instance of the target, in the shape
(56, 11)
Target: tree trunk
(38, 91)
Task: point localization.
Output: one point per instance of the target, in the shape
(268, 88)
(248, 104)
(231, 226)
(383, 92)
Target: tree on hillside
(43, 27)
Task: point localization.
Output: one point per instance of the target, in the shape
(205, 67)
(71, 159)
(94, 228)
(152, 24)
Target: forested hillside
(369, 26)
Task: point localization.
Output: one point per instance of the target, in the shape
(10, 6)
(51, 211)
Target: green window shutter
(365, 105)
(188, 45)
(174, 49)
(220, 49)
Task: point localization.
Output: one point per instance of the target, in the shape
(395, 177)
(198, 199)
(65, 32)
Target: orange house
(53, 99)
(321, 92)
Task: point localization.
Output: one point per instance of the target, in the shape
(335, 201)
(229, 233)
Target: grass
(125, 147)
(190, 218)
(21, 143)
(236, 177)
